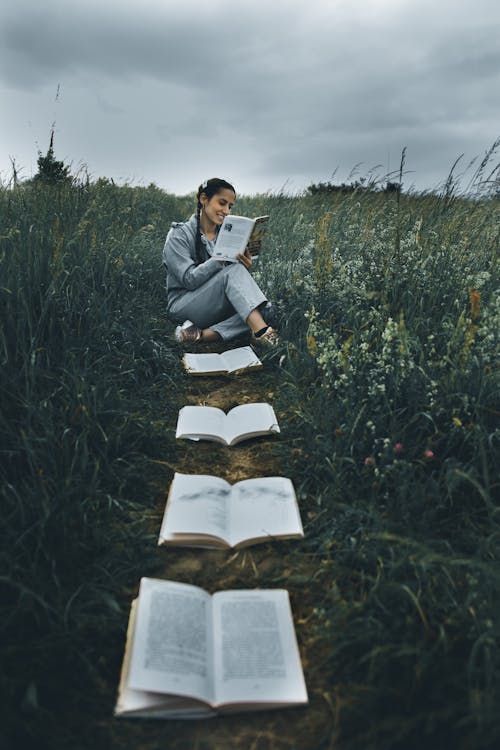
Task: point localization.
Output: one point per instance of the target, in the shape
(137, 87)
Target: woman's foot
(267, 336)
(187, 333)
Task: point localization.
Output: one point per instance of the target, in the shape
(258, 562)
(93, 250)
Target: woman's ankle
(255, 321)
(208, 334)
(260, 332)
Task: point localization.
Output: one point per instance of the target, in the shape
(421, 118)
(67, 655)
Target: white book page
(250, 419)
(199, 421)
(204, 362)
(198, 504)
(236, 359)
(138, 700)
(172, 650)
(255, 649)
(233, 237)
(265, 506)
(133, 700)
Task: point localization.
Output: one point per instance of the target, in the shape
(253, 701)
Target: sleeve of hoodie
(178, 257)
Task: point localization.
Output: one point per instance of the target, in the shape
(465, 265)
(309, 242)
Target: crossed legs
(225, 306)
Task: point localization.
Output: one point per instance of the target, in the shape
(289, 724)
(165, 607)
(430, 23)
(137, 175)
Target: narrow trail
(275, 564)
(245, 460)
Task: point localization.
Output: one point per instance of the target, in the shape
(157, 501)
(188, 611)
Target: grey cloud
(286, 88)
(108, 107)
(166, 41)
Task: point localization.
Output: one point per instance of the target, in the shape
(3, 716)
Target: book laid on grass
(207, 511)
(240, 423)
(192, 655)
(231, 362)
(235, 233)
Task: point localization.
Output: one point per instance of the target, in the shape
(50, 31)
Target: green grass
(388, 381)
(391, 384)
(84, 368)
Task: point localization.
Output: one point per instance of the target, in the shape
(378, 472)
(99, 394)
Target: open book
(231, 362)
(235, 233)
(207, 511)
(240, 423)
(192, 655)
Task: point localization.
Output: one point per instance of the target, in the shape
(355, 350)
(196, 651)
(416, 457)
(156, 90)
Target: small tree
(50, 170)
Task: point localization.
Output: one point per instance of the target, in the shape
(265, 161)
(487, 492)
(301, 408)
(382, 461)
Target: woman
(215, 300)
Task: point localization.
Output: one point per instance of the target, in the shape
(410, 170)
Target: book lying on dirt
(240, 423)
(191, 655)
(207, 511)
(231, 362)
(235, 233)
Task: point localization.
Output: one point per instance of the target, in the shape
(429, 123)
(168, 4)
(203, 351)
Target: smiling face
(216, 208)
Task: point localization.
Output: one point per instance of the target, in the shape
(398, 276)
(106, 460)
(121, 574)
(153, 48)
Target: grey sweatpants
(223, 303)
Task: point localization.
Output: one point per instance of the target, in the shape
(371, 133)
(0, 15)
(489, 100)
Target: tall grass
(88, 385)
(392, 318)
(388, 383)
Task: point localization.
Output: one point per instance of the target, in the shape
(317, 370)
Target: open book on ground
(240, 423)
(207, 511)
(235, 233)
(231, 362)
(192, 655)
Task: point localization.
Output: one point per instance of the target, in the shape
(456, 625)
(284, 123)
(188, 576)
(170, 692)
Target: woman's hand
(254, 247)
(245, 258)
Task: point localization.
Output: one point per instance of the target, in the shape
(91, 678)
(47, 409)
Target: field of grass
(386, 380)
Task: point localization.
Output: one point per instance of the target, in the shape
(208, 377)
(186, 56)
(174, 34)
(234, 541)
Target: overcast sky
(265, 93)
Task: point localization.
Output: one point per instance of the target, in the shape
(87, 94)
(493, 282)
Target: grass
(391, 384)
(84, 367)
(387, 389)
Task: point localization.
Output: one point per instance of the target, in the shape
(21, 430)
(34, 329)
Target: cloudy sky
(269, 94)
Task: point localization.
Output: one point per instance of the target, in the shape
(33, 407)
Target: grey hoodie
(179, 260)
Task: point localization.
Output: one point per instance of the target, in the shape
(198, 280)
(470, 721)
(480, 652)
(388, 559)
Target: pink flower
(429, 454)
(398, 448)
(369, 461)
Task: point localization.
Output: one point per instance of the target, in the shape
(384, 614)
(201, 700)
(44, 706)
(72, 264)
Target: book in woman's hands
(240, 423)
(207, 511)
(235, 233)
(192, 655)
(231, 362)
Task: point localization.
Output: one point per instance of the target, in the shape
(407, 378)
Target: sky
(269, 94)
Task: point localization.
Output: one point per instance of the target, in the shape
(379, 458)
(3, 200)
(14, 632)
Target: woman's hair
(211, 187)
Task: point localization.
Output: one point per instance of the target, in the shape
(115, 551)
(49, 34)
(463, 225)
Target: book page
(195, 422)
(255, 649)
(208, 362)
(197, 504)
(250, 420)
(172, 649)
(133, 700)
(239, 358)
(266, 506)
(233, 237)
(228, 361)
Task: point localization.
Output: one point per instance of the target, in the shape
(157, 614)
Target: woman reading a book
(210, 299)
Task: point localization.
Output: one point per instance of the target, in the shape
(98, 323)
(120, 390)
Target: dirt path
(243, 461)
(282, 564)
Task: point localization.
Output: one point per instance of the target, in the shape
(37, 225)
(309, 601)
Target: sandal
(187, 333)
(270, 337)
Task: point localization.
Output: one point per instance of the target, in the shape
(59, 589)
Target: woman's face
(219, 205)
